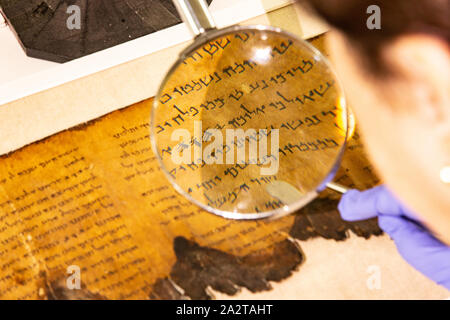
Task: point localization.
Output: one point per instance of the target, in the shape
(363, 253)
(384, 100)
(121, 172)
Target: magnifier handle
(337, 187)
(196, 15)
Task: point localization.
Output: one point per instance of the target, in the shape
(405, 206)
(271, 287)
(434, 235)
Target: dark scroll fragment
(41, 25)
(321, 218)
(198, 267)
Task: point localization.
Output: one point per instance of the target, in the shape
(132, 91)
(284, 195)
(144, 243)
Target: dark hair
(398, 17)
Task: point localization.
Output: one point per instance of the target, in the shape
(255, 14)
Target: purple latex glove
(414, 242)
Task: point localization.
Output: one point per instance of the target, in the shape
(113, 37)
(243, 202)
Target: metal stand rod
(195, 14)
(337, 187)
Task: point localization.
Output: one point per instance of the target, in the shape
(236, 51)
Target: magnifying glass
(251, 121)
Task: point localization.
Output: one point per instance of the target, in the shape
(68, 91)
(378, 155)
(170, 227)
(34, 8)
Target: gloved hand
(414, 242)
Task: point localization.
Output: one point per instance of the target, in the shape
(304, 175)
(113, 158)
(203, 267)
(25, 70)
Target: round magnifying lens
(250, 123)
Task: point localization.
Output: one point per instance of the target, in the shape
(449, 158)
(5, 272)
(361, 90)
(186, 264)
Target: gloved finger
(417, 246)
(388, 204)
(360, 205)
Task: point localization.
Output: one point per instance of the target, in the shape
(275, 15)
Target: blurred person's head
(397, 81)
